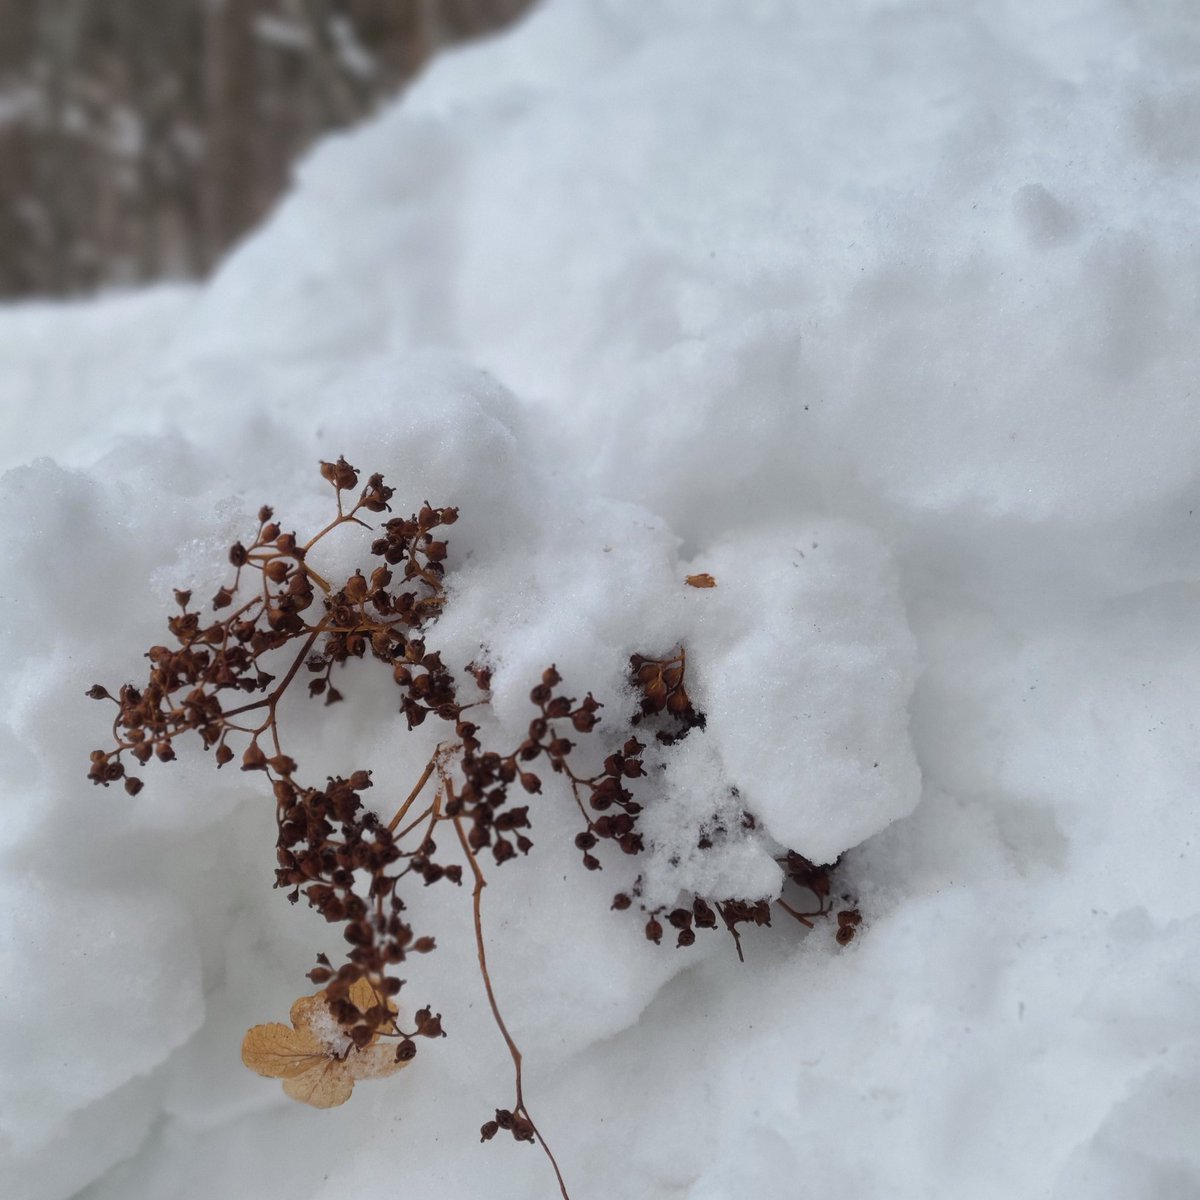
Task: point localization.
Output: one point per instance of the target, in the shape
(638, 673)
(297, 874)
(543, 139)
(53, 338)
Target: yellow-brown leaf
(363, 996)
(325, 1087)
(278, 1052)
(315, 1060)
(310, 1014)
(374, 1062)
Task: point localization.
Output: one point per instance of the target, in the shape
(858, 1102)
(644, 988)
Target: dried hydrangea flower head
(278, 620)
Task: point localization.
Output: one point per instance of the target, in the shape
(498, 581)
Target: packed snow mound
(880, 313)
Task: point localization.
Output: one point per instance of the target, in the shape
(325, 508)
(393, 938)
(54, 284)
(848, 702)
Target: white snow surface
(883, 313)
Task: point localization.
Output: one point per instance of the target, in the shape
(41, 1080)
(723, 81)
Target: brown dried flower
(316, 1059)
(222, 678)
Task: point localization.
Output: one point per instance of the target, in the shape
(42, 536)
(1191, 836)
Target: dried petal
(376, 1061)
(278, 1052)
(325, 1087)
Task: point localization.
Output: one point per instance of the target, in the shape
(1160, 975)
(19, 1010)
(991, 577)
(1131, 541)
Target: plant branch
(514, 1052)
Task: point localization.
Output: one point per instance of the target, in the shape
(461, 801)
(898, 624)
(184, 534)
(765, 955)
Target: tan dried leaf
(280, 1052)
(701, 581)
(326, 1087)
(315, 1058)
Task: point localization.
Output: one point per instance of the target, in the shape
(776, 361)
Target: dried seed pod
(253, 759)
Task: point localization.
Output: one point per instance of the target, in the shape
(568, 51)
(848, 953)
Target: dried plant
(223, 680)
(318, 1063)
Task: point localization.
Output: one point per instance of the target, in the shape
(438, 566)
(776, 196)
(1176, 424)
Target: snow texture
(883, 313)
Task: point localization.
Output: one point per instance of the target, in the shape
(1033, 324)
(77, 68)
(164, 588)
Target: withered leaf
(316, 1060)
(281, 1052)
(703, 580)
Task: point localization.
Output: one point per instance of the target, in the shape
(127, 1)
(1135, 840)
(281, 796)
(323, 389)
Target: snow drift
(882, 313)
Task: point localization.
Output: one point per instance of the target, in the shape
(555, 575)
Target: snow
(881, 313)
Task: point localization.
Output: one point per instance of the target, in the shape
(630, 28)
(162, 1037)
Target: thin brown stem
(319, 580)
(514, 1052)
(583, 812)
(415, 822)
(429, 768)
(340, 519)
(273, 699)
(801, 917)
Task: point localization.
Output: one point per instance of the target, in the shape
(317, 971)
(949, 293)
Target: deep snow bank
(883, 314)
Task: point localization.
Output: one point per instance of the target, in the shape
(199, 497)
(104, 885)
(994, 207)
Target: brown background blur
(138, 138)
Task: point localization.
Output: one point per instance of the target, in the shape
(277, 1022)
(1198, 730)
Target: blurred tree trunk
(229, 111)
(139, 138)
(59, 29)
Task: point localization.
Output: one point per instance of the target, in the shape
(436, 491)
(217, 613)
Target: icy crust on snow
(883, 315)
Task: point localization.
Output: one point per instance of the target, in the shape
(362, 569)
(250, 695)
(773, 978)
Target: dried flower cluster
(223, 680)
